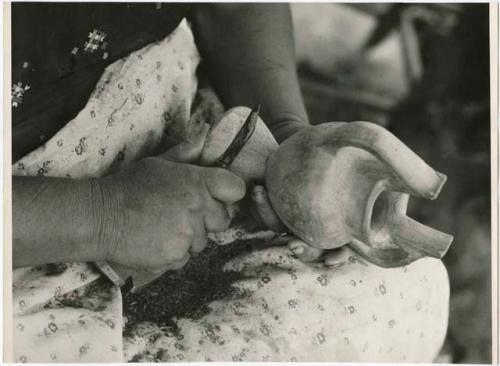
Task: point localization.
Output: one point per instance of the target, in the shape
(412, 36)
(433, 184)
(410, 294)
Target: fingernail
(296, 247)
(334, 263)
(337, 257)
(298, 250)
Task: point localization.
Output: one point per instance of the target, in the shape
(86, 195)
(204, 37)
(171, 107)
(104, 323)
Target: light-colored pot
(349, 183)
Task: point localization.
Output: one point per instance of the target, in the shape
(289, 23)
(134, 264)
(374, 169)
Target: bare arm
(151, 215)
(249, 52)
(52, 221)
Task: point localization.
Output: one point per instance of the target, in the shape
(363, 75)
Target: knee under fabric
(282, 310)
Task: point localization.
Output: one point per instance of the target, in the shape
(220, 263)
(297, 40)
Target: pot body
(321, 193)
(349, 183)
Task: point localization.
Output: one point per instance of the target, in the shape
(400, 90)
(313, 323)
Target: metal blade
(239, 140)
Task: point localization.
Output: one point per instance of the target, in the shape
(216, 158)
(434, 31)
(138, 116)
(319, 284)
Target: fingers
(188, 151)
(338, 257)
(265, 210)
(216, 216)
(178, 264)
(199, 242)
(223, 185)
(303, 251)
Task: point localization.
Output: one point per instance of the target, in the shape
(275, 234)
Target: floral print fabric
(287, 310)
(66, 314)
(69, 312)
(136, 102)
(281, 309)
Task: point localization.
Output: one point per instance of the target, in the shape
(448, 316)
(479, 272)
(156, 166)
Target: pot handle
(419, 178)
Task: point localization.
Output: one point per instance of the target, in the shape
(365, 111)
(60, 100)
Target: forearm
(53, 221)
(249, 52)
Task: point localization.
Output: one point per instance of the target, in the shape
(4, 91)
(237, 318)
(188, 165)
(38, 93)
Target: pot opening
(378, 227)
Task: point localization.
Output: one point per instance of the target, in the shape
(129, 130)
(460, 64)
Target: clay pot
(349, 183)
(333, 184)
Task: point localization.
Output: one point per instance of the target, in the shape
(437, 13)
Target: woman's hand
(157, 213)
(265, 212)
(151, 216)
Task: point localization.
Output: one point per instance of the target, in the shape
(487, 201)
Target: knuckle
(200, 243)
(178, 255)
(162, 255)
(188, 233)
(193, 200)
(192, 193)
(223, 221)
(170, 251)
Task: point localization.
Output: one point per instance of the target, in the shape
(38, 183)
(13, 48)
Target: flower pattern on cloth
(280, 310)
(70, 312)
(140, 103)
(283, 310)
(56, 319)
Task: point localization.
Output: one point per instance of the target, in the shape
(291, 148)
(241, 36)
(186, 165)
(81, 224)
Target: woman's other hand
(270, 219)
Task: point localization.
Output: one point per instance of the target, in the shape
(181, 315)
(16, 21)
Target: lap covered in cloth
(278, 309)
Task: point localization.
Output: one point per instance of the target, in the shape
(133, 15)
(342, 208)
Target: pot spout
(411, 234)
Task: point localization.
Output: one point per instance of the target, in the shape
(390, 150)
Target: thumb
(223, 185)
(265, 210)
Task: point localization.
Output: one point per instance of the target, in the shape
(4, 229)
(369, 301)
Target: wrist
(106, 216)
(285, 126)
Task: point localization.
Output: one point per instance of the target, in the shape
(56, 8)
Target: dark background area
(422, 71)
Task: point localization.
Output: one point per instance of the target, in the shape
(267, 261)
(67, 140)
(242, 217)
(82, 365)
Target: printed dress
(241, 303)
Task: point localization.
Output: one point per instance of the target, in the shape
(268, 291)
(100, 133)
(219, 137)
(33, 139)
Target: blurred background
(422, 71)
